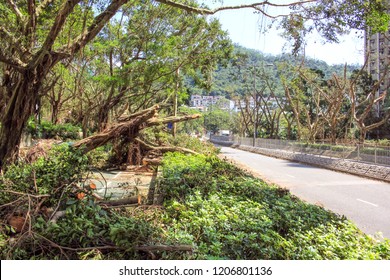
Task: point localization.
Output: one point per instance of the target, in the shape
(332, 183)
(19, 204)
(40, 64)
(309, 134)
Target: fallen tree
(125, 134)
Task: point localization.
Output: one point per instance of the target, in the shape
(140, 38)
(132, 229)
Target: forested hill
(225, 83)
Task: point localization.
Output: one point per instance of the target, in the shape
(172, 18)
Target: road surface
(365, 202)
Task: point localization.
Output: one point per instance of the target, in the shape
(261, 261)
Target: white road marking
(290, 176)
(109, 183)
(361, 200)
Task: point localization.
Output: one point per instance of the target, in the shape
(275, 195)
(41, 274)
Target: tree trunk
(363, 134)
(103, 118)
(21, 91)
(55, 109)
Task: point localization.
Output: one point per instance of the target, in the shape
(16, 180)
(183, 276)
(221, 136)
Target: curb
(367, 170)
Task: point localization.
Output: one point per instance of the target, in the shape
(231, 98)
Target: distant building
(250, 102)
(205, 102)
(377, 49)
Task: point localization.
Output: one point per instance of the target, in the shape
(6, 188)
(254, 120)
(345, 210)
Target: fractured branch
(172, 119)
(129, 128)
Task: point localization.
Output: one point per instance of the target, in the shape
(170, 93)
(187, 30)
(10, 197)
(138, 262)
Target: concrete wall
(371, 171)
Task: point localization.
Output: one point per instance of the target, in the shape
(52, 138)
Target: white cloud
(244, 28)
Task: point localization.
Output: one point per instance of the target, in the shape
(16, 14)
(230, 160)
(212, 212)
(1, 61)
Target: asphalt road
(365, 202)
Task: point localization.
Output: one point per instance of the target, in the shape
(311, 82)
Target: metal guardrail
(359, 152)
(227, 139)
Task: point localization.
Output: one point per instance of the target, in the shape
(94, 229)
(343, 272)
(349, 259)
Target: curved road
(366, 202)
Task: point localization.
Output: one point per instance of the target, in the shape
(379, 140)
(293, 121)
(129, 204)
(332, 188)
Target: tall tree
(36, 35)
(34, 42)
(365, 99)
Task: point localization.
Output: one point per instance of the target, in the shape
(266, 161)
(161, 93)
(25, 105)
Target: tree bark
(129, 128)
(121, 202)
(21, 97)
(23, 76)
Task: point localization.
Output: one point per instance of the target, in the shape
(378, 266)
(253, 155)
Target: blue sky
(244, 28)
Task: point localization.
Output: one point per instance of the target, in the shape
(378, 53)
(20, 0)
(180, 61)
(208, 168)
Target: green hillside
(227, 82)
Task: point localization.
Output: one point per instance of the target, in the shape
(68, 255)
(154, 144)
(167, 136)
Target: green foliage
(99, 157)
(183, 140)
(84, 233)
(59, 167)
(52, 181)
(229, 81)
(223, 227)
(195, 126)
(47, 182)
(228, 214)
(194, 143)
(379, 142)
(48, 130)
(85, 225)
(219, 209)
(217, 119)
(377, 17)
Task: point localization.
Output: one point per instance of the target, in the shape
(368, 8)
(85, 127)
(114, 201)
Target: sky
(244, 25)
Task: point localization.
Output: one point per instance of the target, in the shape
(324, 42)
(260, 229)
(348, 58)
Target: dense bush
(227, 214)
(47, 175)
(53, 184)
(160, 137)
(193, 143)
(99, 158)
(48, 130)
(215, 207)
(85, 232)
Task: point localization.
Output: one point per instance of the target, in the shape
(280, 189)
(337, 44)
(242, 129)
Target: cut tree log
(151, 161)
(122, 202)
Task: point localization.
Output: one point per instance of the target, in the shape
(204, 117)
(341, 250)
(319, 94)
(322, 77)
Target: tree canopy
(156, 38)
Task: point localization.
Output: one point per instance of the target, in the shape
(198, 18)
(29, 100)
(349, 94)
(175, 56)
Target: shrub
(47, 183)
(228, 214)
(48, 130)
(61, 166)
(154, 135)
(85, 232)
(99, 157)
(210, 204)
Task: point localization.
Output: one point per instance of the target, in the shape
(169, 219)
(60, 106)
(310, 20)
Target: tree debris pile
(50, 208)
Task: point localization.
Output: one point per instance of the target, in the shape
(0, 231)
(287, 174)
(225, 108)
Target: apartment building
(203, 102)
(377, 49)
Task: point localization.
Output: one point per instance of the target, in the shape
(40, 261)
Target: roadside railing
(358, 152)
